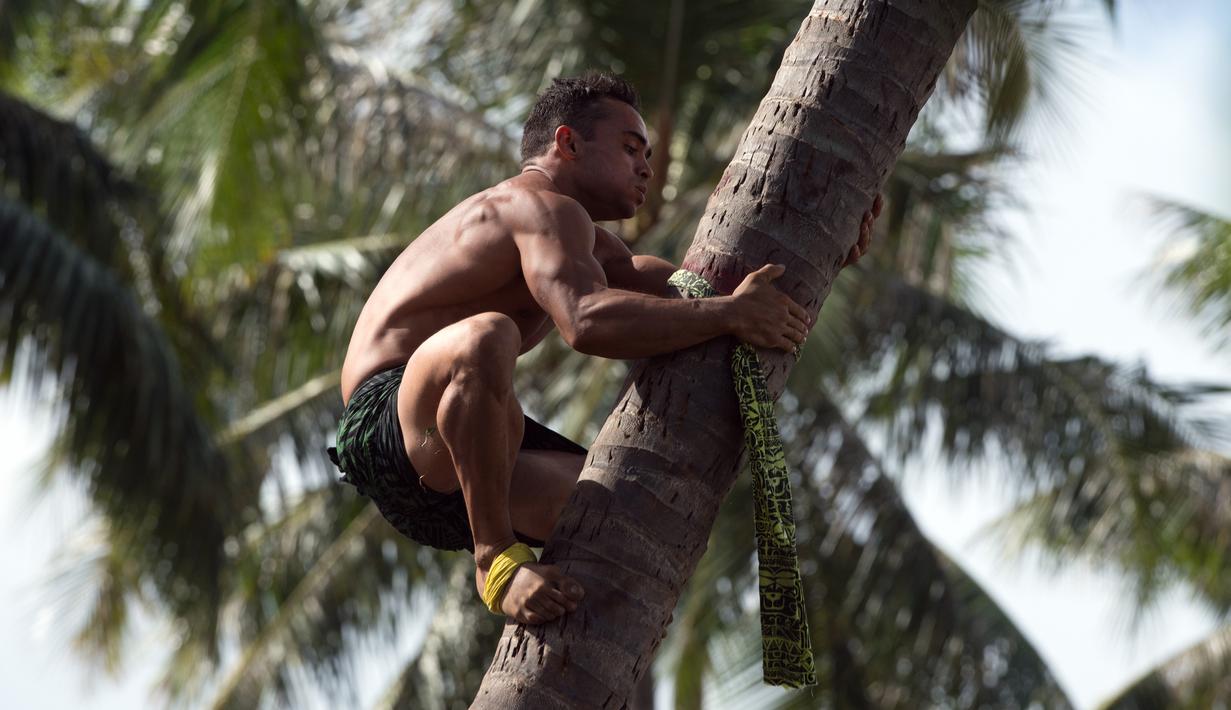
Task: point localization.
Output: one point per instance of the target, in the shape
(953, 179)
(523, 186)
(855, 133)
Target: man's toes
(547, 608)
(566, 584)
(572, 589)
(561, 598)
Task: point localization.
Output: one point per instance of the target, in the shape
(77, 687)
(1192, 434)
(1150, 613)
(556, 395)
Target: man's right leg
(462, 426)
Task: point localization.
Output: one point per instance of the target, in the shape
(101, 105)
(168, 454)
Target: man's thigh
(427, 375)
(423, 383)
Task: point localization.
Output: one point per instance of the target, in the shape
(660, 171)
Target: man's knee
(487, 348)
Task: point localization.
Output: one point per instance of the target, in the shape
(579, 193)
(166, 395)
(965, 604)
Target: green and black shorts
(371, 454)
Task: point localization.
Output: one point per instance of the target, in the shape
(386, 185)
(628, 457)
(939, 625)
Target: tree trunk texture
(820, 145)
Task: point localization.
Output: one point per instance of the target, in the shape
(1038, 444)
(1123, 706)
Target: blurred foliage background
(198, 195)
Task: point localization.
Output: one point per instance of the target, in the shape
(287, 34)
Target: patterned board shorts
(371, 454)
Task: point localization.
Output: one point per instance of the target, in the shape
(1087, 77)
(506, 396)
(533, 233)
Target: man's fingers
(773, 271)
(796, 309)
(769, 271)
(877, 205)
(795, 331)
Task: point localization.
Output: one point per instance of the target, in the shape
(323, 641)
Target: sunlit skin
(485, 284)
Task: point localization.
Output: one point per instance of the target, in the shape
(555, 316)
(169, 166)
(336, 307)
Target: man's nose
(646, 171)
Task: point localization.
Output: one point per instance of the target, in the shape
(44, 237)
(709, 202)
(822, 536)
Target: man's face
(613, 167)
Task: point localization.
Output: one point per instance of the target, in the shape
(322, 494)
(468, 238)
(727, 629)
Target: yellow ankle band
(501, 573)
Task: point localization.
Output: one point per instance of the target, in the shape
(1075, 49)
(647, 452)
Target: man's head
(587, 130)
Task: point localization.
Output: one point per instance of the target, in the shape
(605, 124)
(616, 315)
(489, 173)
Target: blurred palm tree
(291, 149)
(1196, 267)
(1169, 525)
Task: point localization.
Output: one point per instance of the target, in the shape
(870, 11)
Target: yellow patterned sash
(786, 645)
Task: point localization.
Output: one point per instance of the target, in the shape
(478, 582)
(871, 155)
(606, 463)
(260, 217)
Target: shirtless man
(432, 430)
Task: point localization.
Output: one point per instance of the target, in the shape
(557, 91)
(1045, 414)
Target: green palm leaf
(132, 429)
(1198, 269)
(893, 619)
(1018, 59)
(1198, 677)
(1049, 415)
(53, 168)
(1162, 522)
(448, 668)
(325, 577)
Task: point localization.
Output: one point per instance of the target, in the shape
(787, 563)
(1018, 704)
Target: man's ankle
(485, 552)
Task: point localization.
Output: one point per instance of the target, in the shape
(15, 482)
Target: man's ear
(566, 142)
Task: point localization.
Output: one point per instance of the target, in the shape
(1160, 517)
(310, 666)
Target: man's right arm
(557, 258)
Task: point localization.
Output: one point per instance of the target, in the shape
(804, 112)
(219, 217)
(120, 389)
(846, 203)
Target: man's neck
(557, 181)
(532, 168)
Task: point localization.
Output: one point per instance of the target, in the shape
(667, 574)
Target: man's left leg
(541, 485)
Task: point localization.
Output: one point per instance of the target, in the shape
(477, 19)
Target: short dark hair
(573, 101)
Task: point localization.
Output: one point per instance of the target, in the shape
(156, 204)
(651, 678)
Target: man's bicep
(653, 273)
(558, 263)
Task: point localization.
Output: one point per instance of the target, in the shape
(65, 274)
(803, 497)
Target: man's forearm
(622, 324)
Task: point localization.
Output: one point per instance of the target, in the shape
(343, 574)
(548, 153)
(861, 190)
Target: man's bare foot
(537, 594)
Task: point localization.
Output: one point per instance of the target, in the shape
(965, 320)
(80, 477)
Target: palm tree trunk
(820, 145)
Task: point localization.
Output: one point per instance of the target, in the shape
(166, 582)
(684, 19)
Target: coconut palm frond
(1198, 677)
(1197, 267)
(22, 20)
(871, 576)
(94, 583)
(1051, 416)
(305, 416)
(1160, 523)
(939, 227)
(53, 167)
(132, 429)
(500, 55)
(1018, 59)
(324, 576)
(346, 148)
(449, 666)
(207, 117)
(296, 312)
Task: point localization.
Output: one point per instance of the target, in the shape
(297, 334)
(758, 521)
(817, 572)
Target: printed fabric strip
(786, 645)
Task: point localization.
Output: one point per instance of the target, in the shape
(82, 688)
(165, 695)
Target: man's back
(467, 262)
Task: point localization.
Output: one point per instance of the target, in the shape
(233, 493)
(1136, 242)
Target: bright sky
(1158, 120)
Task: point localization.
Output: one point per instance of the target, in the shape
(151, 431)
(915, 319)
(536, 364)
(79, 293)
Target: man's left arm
(634, 272)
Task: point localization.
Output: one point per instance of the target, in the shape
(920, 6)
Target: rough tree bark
(820, 145)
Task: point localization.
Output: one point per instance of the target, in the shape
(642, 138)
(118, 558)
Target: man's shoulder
(530, 208)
